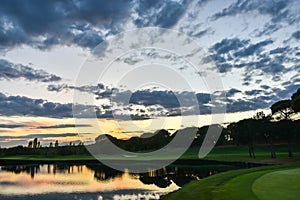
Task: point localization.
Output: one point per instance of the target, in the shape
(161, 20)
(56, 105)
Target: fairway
(284, 184)
(265, 183)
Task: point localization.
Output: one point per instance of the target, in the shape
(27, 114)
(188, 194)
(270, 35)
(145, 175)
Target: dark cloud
(83, 23)
(253, 92)
(174, 103)
(227, 45)
(43, 24)
(24, 106)
(163, 14)
(63, 126)
(12, 125)
(232, 92)
(40, 135)
(272, 8)
(10, 71)
(254, 58)
(20, 105)
(265, 87)
(252, 49)
(281, 13)
(279, 50)
(296, 35)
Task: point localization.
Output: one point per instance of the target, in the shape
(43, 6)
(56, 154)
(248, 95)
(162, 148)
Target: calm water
(94, 181)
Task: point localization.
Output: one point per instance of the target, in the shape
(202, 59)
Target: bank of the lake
(223, 154)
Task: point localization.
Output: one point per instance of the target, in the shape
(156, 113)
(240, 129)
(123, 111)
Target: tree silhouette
(30, 144)
(296, 101)
(282, 110)
(35, 142)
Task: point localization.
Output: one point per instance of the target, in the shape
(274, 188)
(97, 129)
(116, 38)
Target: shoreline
(243, 164)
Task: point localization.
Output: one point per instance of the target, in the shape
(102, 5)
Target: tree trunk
(290, 149)
(250, 151)
(272, 149)
(273, 153)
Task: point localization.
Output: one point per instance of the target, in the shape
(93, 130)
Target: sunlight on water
(41, 179)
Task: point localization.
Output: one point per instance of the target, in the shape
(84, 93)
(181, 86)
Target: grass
(233, 154)
(266, 183)
(284, 184)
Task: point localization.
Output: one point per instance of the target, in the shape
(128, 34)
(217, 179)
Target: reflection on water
(64, 180)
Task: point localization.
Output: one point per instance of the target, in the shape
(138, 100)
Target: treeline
(277, 128)
(45, 151)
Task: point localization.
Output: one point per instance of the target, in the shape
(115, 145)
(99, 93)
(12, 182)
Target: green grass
(271, 182)
(238, 154)
(284, 184)
(218, 154)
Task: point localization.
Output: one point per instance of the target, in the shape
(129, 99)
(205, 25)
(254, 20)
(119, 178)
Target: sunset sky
(254, 46)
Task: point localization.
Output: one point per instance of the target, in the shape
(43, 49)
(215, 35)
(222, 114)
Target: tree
(296, 101)
(56, 143)
(264, 129)
(243, 132)
(35, 142)
(282, 110)
(30, 144)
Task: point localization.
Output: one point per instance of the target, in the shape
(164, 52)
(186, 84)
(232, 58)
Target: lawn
(233, 154)
(265, 183)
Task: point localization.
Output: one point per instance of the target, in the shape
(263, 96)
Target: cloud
(252, 49)
(271, 8)
(163, 14)
(280, 12)
(296, 35)
(232, 92)
(40, 135)
(63, 126)
(10, 71)
(48, 23)
(12, 125)
(24, 106)
(84, 23)
(256, 59)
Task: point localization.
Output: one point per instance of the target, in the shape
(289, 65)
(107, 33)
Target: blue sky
(44, 44)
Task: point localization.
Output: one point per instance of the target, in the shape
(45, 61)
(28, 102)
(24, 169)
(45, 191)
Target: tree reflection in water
(162, 178)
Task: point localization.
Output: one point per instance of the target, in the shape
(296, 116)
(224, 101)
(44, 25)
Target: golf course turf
(265, 183)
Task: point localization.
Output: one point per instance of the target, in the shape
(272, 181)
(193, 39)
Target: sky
(248, 50)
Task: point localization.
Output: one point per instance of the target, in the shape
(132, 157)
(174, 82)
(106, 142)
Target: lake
(96, 181)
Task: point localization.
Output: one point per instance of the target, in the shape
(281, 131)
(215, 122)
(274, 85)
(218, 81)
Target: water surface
(94, 181)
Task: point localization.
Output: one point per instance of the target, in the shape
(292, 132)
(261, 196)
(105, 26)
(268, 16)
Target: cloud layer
(10, 71)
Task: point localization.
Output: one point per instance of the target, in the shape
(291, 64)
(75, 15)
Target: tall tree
(296, 101)
(30, 144)
(264, 128)
(56, 143)
(35, 142)
(282, 110)
(243, 132)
